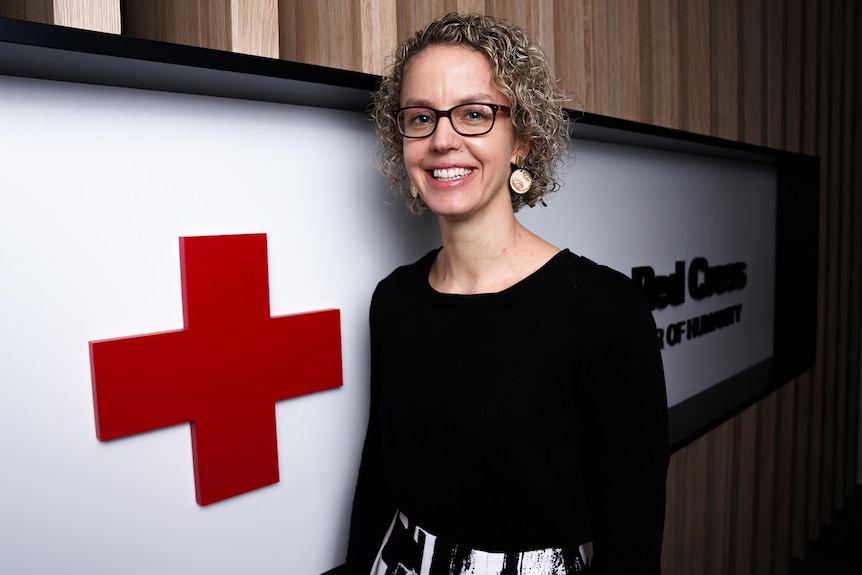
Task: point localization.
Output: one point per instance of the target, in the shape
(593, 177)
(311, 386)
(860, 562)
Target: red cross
(223, 372)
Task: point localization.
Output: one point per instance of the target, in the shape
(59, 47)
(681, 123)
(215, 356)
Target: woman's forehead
(450, 71)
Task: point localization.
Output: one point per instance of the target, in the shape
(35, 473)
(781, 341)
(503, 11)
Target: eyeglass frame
(448, 114)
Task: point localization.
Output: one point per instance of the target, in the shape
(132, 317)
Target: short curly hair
(522, 74)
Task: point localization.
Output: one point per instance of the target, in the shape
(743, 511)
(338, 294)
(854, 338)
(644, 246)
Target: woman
(518, 407)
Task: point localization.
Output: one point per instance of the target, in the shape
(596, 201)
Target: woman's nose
(444, 136)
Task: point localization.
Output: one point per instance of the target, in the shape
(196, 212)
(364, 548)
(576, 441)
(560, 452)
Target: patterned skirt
(408, 549)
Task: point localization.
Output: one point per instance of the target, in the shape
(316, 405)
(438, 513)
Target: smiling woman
(518, 405)
(520, 74)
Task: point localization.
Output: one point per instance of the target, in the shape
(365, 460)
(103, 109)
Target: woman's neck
(477, 259)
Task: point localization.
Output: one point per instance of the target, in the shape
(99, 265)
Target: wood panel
(672, 543)
(97, 15)
(695, 66)
(536, 17)
(745, 480)
(254, 27)
(379, 34)
(413, 15)
(782, 517)
(844, 422)
(764, 509)
(853, 154)
(573, 52)
(180, 22)
(321, 33)
(694, 506)
(33, 10)
(246, 26)
(801, 464)
(663, 80)
(725, 62)
(795, 69)
(719, 493)
(831, 156)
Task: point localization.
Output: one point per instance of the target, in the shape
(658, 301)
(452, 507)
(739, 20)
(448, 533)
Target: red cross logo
(223, 372)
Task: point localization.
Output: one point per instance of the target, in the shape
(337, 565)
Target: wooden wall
(749, 495)
(99, 15)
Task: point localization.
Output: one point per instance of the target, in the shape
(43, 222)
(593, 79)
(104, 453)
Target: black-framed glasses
(473, 119)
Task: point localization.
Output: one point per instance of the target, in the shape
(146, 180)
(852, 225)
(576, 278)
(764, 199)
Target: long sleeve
(372, 506)
(626, 438)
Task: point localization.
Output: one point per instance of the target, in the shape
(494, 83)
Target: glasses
(466, 119)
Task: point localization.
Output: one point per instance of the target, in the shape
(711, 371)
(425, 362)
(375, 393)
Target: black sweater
(530, 418)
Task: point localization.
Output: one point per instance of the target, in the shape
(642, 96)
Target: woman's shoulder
(406, 278)
(593, 275)
(603, 287)
(409, 271)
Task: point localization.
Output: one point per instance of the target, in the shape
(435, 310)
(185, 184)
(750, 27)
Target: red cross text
(223, 372)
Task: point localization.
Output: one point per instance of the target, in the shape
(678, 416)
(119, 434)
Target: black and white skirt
(408, 549)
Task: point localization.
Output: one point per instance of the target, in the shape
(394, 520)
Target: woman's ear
(521, 148)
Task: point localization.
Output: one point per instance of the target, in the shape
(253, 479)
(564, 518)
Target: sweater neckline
(528, 286)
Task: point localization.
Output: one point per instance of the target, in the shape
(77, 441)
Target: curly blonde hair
(520, 71)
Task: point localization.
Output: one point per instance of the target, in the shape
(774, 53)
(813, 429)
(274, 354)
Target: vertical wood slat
(841, 276)
(775, 90)
(751, 117)
(794, 70)
(254, 27)
(854, 157)
(629, 57)
(782, 517)
(818, 147)
(695, 66)
(572, 51)
(96, 15)
(848, 321)
(671, 545)
(41, 11)
(745, 480)
(536, 18)
(180, 22)
(601, 97)
(694, 498)
(829, 151)
(412, 16)
(660, 64)
(379, 27)
(245, 26)
(802, 444)
(720, 473)
(764, 511)
(808, 410)
(319, 33)
(725, 60)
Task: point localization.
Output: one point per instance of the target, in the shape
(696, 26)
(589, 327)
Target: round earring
(414, 193)
(521, 180)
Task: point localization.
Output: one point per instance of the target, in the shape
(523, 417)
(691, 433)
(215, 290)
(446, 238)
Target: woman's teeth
(448, 174)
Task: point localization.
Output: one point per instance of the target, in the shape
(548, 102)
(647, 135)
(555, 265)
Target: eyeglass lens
(467, 120)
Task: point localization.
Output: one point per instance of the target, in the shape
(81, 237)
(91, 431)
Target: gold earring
(521, 180)
(414, 193)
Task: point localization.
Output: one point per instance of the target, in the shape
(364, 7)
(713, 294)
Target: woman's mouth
(449, 174)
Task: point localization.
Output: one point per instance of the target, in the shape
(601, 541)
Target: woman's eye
(419, 119)
(474, 115)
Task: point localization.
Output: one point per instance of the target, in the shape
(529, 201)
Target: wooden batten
(96, 15)
(244, 26)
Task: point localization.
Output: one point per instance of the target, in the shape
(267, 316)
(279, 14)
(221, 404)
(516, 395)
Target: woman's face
(458, 176)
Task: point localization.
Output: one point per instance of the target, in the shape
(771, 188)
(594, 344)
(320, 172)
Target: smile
(449, 174)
